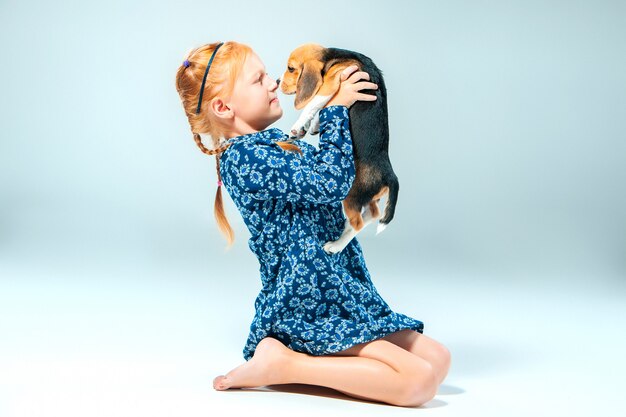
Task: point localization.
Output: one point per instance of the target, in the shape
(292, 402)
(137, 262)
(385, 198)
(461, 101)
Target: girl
(319, 318)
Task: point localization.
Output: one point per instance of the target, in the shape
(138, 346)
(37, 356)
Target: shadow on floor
(319, 391)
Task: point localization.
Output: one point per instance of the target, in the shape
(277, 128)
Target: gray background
(507, 134)
(506, 119)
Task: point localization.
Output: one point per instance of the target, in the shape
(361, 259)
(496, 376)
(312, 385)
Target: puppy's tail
(390, 206)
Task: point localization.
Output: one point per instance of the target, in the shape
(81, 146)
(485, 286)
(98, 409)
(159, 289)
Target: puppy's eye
(290, 69)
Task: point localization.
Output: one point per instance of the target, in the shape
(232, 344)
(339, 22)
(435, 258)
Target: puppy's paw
(299, 128)
(293, 134)
(332, 247)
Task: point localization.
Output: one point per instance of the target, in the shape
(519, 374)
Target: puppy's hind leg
(349, 232)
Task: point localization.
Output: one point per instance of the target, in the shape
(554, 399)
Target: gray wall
(507, 134)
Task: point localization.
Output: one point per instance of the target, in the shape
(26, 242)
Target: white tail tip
(380, 227)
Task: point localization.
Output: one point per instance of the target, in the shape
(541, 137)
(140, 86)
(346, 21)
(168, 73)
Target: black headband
(205, 74)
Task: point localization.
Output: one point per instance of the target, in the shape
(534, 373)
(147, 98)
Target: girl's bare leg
(400, 378)
(425, 347)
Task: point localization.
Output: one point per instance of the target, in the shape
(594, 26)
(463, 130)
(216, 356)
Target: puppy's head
(304, 73)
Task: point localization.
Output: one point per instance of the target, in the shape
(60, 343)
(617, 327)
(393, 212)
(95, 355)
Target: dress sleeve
(266, 171)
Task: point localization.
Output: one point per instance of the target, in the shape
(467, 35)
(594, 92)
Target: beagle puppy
(313, 75)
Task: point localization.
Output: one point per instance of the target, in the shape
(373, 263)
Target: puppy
(313, 75)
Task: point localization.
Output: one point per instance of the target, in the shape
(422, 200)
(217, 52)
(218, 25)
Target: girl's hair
(220, 82)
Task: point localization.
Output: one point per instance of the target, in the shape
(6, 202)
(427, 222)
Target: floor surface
(148, 343)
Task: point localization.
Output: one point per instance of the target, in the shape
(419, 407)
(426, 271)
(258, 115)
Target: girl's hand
(349, 88)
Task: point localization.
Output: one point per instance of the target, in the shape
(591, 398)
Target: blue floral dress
(313, 302)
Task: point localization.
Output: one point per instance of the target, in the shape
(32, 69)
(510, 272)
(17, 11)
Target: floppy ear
(309, 82)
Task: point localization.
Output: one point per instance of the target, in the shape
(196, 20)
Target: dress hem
(358, 340)
(326, 348)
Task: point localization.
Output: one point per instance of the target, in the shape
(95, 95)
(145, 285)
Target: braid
(198, 140)
(217, 168)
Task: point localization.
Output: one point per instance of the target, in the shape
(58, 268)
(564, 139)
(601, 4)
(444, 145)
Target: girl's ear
(220, 108)
(309, 83)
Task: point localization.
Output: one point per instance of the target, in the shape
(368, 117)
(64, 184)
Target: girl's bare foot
(265, 368)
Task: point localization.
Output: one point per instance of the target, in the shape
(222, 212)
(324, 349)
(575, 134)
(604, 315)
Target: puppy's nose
(278, 81)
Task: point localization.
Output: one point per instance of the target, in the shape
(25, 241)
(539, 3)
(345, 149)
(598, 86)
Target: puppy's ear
(309, 82)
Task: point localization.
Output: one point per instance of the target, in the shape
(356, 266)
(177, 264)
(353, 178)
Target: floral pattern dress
(313, 302)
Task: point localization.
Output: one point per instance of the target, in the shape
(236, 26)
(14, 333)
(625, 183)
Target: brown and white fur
(313, 75)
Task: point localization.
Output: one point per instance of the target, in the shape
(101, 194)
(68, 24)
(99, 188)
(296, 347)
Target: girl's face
(254, 103)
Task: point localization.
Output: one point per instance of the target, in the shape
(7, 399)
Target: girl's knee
(420, 385)
(439, 356)
(443, 355)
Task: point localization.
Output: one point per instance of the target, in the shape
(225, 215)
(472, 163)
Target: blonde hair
(220, 82)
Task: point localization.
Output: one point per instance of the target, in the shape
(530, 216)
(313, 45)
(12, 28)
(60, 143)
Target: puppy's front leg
(314, 129)
(310, 110)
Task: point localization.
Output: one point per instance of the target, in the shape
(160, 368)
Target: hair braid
(207, 151)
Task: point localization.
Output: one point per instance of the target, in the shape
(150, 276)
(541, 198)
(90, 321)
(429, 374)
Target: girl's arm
(266, 171)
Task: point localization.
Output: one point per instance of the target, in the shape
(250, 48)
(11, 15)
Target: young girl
(319, 318)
